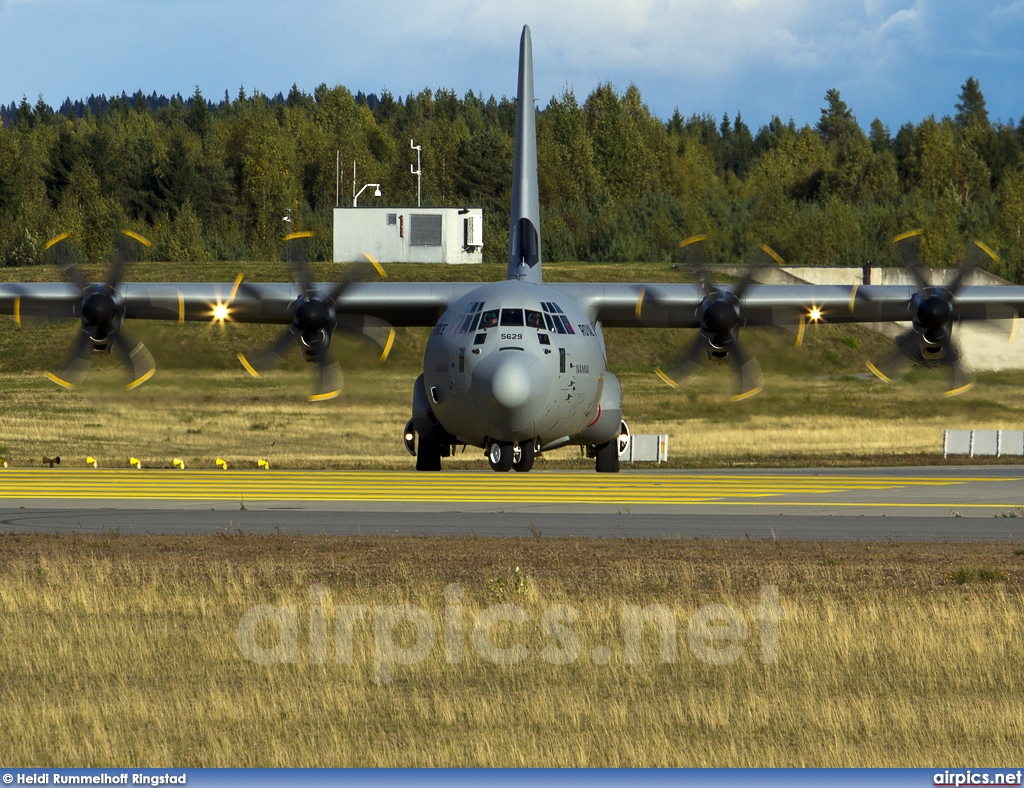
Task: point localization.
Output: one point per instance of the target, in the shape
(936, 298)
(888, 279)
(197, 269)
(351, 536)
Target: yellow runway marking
(460, 487)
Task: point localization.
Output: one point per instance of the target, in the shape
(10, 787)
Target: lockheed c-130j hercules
(516, 367)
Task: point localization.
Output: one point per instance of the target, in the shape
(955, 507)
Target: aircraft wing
(422, 303)
(398, 303)
(677, 305)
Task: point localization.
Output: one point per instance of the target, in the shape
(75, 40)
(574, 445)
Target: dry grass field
(200, 416)
(117, 650)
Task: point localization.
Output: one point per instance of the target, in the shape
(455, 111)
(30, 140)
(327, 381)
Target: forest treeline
(208, 180)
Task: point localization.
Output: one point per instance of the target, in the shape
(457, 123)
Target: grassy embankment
(117, 650)
(818, 406)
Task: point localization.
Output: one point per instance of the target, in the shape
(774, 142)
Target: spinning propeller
(102, 312)
(315, 318)
(933, 313)
(720, 315)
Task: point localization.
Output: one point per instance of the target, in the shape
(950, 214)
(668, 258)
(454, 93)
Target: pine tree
(971, 107)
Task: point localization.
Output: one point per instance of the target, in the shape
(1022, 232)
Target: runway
(908, 504)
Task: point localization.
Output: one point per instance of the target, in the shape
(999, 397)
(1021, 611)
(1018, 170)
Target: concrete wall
(387, 234)
(820, 275)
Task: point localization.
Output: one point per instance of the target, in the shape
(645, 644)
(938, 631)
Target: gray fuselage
(514, 361)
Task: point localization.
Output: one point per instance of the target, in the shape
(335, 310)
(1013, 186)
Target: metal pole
(418, 172)
(337, 181)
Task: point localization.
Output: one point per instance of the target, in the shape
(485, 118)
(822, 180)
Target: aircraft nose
(510, 382)
(510, 390)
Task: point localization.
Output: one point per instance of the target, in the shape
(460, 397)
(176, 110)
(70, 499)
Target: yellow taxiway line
(483, 487)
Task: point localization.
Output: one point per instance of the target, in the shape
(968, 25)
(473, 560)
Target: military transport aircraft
(516, 367)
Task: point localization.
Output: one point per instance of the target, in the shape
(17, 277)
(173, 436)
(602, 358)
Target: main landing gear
(607, 457)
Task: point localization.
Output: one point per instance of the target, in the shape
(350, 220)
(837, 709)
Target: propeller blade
(908, 350)
(379, 331)
(958, 280)
(76, 364)
(748, 370)
(137, 356)
(272, 355)
(741, 289)
(330, 382)
(122, 256)
(297, 258)
(960, 379)
(687, 365)
(75, 275)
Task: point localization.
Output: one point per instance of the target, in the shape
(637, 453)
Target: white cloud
(760, 56)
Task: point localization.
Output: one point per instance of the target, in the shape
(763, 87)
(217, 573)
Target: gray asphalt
(704, 525)
(966, 511)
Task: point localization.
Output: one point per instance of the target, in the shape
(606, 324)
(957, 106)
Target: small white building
(409, 235)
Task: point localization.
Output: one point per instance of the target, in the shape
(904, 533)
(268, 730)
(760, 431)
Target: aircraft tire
(500, 457)
(607, 457)
(428, 458)
(526, 457)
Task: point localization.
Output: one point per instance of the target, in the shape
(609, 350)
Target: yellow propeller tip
(665, 377)
(747, 394)
(55, 240)
(640, 301)
(878, 373)
(60, 381)
(773, 254)
(987, 251)
(387, 345)
(958, 391)
(142, 240)
(248, 367)
(325, 396)
(906, 235)
(375, 264)
(293, 236)
(141, 379)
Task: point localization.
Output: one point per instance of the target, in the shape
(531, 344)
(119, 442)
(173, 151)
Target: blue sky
(899, 60)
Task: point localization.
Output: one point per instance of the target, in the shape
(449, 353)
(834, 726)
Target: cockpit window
(555, 318)
(512, 317)
(469, 319)
(534, 319)
(489, 319)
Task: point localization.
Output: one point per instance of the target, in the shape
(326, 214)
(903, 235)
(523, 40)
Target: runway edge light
(265, 464)
(92, 461)
(134, 462)
(179, 463)
(222, 463)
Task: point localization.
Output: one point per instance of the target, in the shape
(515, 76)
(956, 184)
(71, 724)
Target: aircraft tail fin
(524, 251)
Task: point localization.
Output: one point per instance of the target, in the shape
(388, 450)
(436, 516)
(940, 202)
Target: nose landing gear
(501, 456)
(523, 456)
(504, 456)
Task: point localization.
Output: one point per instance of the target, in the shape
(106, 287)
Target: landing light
(220, 312)
(815, 314)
